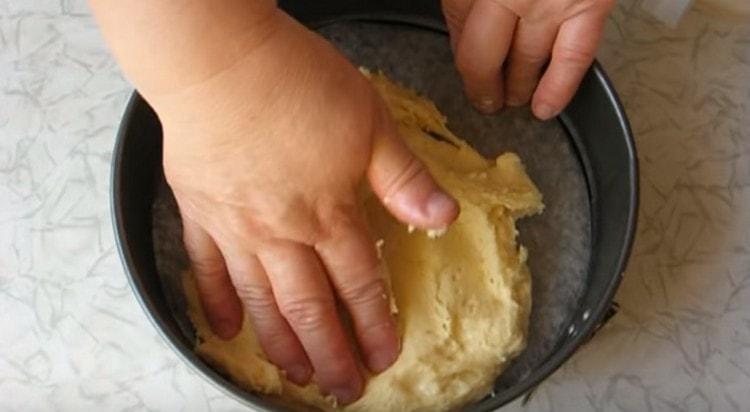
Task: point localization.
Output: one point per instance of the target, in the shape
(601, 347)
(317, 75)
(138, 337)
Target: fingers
(455, 12)
(305, 299)
(529, 53)
(217, 295)
(481, 51)
(350, 257)
(279, 342)
(404, 184)
(572, 55)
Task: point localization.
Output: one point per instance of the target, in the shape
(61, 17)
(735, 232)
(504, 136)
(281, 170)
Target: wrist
(251, 85)
(165, 46)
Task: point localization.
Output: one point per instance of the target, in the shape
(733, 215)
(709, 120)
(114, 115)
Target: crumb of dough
(379, 247)
(434, 233)
(462, 293)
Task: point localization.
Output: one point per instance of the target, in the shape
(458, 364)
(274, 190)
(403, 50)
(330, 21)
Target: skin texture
(518, 51)
(281, 220)
(265, 145)
(269, 132)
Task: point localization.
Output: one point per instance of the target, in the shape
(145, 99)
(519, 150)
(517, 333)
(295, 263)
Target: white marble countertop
(72, 336)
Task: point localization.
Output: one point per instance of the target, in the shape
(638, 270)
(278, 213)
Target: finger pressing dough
(462, 297)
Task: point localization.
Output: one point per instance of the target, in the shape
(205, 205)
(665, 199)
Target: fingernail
(544, 111)
(299, 374)
(345, 394)
(486, 105)
(382, 359)
(439, 206)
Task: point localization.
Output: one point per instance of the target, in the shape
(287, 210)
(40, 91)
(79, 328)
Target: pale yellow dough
(463, 297)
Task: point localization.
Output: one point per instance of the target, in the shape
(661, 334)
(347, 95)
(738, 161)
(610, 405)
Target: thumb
(404, 185)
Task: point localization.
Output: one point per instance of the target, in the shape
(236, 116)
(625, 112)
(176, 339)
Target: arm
(166, 45)
(268, 131)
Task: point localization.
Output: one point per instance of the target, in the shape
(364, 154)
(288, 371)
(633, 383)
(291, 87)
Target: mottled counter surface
(72, 336)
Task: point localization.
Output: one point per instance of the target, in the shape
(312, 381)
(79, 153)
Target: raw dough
(462, 296)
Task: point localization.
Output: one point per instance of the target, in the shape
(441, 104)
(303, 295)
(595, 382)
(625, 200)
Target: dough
(462, 296)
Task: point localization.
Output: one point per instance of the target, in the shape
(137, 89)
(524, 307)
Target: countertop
(74, 338)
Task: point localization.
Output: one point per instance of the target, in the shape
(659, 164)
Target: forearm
(167, 45)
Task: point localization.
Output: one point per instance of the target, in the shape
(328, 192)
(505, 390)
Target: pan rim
(557, 358)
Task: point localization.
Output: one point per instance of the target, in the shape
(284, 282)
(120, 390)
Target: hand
(502, 47)
(265, 158)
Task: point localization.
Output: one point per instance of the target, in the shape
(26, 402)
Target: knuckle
(207, 266)
(257, 298)
(294, 219)
(248, 224)
(335, 219)
(411, 172)
(575, 56)
(306, 314)
(363, 294)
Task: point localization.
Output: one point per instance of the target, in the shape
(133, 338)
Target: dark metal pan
(595, 127)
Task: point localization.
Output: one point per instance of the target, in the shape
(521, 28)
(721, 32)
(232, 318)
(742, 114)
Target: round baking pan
(594, 126)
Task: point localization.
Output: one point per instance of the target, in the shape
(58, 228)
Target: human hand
(501, 48)
(264, 158)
